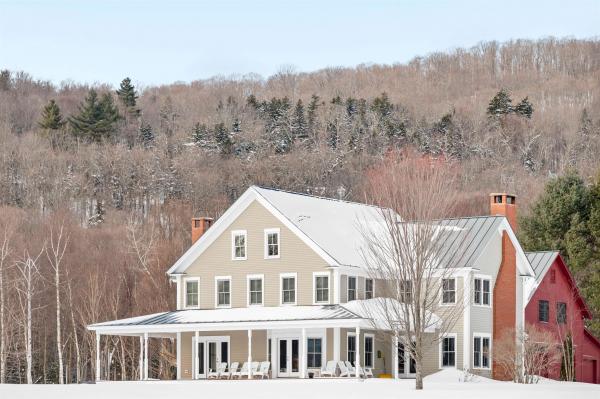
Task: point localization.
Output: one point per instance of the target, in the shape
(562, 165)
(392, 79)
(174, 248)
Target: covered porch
(297, 341)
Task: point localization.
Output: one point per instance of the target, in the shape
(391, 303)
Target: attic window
(497, 199)
(552, 276)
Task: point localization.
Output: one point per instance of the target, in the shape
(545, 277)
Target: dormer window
(271, 243)
(238, 244)
(351, 288)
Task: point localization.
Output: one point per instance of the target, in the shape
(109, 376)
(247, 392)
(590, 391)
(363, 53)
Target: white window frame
(235, 233)
(483, 278)
(314, 290)
(323, 353)
(185, 281)
(348, 288)
(260, 277)
(442, 303)
(372, 287)
(350, 334)
(288, 275)
(441, 353)
(482, 336)
(364, 358)
(223, 278)
(266, 242)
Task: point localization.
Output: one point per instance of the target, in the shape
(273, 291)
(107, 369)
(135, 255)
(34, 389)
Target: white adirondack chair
(241, 372)
(263, 371)
(344, 372)
(227, 373)
(213, 374)
(255, 366)
(330, 369)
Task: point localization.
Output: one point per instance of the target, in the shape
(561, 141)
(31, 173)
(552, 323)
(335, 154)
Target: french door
(288, 357)
(407, 366)
(210, 351)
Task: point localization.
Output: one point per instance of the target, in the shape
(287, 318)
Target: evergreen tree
(98, 217)
(332, 135)
(299, 125)
(146, 135)
(127, 94)
(51, 117)
(200, 135)
(97, 117)
(524, 108)
(382, 107)
(312, 114)
(278, 126)
(223, 139)
(501, 104)
(5, 80)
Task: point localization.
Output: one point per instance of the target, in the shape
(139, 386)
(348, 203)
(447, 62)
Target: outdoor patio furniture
(368, 372)
(344, 372)
(241, 372)
(214, 374)
(227, 373)
(246, 373)
(330, 369)
(263, 371)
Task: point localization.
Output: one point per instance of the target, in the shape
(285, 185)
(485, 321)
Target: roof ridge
(543, 251)
(317, 196)
(470, 217)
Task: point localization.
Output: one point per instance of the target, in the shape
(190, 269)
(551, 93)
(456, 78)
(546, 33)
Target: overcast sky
(157, 42)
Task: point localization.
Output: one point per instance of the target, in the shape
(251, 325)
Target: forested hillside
(121, 169)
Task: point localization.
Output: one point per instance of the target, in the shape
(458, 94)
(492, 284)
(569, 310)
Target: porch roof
(260, 317)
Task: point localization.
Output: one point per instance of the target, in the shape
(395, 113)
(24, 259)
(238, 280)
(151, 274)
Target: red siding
(563, 290)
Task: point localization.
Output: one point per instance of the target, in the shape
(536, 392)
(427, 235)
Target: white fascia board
(524, 266)
(222, 223)
(235, 326)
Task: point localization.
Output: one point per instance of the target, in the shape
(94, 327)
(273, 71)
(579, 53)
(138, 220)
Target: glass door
(283, 357)
(288, 357)
(407, 366)
(295, 358)
(209, 353)
(200, 360)
(212, 356)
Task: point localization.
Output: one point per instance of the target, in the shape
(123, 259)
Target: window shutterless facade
(544, 311)
(238, 244)
(351, 288)
(561, 313)
(314, 352)
(448, 291)
(481, 291)
(321, 287)
(481, 352)
(288, 289)
(192, 292)
(223, 292)
(255, 289)
(369, 350)
(351, 347)
(405, 291)
(272, 243)
(448, 349)
(369, 288)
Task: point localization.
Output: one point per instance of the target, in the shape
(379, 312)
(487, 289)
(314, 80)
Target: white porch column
(179, 290)
(336, 344)
(467, 353)
(141, 357)
(145, 356)
(303, 355)
(178, 355)
(249, 354)
(196, 356)
(395, 356)
(97, 356)
(357, 357)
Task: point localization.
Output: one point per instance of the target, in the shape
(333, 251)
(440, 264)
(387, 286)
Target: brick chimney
(199, 227)
(505, 205)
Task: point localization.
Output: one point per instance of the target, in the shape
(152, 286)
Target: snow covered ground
(444, 385)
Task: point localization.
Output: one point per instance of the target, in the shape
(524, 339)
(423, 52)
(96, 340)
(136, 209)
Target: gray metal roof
(541, 261)
(237, 315)
(465, 238)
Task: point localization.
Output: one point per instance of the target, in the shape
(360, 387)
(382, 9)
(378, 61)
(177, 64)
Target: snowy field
(444, 385)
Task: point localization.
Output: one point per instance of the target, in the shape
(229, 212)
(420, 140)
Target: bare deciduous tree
(406, 249)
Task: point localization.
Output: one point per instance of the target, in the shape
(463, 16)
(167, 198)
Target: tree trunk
(75, 337)
(2, 330)
(58, 326)
(29, 344)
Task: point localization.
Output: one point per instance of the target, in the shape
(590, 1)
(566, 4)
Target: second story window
(369, 288)
(255, 290)
(448, 291)
(223, 287)
(561, 313)
(271, 243)
(321, 288)
(288, 289)
(238, 245)
(405, 291)
(543, 311)
(351, 288)
(481, 291)
(192, 292)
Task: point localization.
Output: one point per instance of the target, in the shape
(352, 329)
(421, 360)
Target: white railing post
(395, 356)
(249, 354)
(336, 344)
(98, 357)
(303, 354)
(197, 356)
(178, 343)
(141, 358)
(357, 356)
(145, 356)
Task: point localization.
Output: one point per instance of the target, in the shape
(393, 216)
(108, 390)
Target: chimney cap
(202, 218)
(504, 193)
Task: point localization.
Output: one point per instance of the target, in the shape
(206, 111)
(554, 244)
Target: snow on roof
(236, 315)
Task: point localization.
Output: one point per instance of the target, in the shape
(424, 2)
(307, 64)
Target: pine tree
(51, 117)
(5, 80)
(332, 135)
(524, 108)
(223, 139)
(127, 94)
(98, 217)
(501, 104)
(146, 135)
(299, 125)
(312, 114)
(382, 107)
(97, 117)
(200, 135)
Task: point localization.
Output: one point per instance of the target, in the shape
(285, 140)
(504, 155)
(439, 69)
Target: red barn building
(555, 305)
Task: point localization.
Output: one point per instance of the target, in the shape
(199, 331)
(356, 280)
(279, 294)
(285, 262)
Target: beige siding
(360, 288)
(343, 288)
(295, 256)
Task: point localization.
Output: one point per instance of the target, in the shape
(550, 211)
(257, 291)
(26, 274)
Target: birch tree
(407, 250)
(55, 251)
